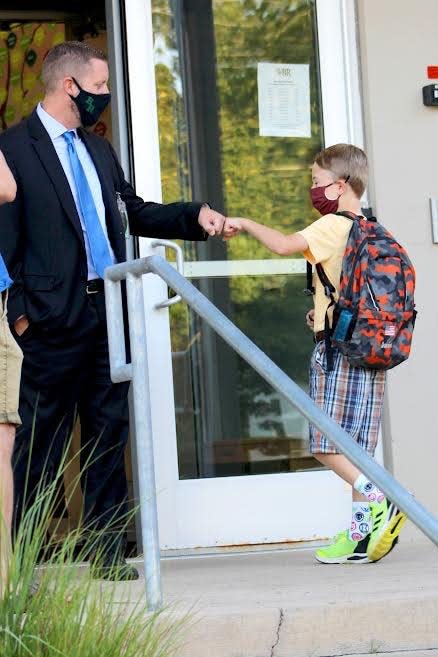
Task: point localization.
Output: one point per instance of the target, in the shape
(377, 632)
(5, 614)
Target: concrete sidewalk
(284, 604)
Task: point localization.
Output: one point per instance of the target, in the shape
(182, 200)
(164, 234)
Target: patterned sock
(360, 521)
(369, 490)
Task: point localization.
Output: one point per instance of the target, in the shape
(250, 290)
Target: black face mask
(90, 105)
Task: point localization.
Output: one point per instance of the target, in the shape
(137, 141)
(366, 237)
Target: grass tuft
(58, 610)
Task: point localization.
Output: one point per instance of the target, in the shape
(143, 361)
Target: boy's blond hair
(345, 160)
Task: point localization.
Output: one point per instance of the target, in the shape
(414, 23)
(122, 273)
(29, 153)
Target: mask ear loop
(345, 181)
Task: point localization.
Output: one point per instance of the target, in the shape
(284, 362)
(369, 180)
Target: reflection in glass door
(229, 423)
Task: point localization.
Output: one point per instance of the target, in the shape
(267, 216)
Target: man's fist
(211, 221)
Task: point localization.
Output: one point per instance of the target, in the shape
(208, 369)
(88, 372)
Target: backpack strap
(309, 290)
(349, 215)
(367, 213)
(329, 290)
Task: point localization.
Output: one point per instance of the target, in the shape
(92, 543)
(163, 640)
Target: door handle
(179, 266)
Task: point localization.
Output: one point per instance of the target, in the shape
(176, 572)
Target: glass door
(246, 93)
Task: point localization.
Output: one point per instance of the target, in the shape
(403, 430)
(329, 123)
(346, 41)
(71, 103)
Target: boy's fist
(232, 227)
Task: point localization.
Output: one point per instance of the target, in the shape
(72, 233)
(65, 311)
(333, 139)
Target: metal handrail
(179, 266)
(132, 272)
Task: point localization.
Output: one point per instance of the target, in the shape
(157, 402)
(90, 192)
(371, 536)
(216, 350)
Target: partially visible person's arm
(8, 186)
(11, 246)
(273, 240)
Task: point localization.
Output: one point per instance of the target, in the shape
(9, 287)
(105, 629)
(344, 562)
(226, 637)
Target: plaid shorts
(352, 396)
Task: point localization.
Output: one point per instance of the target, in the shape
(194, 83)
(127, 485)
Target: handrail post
(138, 372)
(144, 440)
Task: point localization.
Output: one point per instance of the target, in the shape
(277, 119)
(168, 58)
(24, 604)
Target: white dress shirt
(56, 130)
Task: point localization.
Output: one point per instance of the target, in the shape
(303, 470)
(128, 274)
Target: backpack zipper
(371, 293)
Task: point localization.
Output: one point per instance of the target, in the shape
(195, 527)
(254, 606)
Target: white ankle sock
(369, 490)
(360, 521)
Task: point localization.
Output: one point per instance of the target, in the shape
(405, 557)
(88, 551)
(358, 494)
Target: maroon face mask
(320, 201)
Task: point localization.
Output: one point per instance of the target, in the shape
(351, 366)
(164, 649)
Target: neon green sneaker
(388, 521)
(343, 550)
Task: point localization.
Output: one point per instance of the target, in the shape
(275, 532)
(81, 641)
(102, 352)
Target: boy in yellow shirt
(352, 396)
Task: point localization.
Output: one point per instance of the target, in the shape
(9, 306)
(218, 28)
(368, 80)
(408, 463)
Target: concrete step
(404, 653)
(284, 604)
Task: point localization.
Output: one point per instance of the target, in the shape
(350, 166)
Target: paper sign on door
(284, 100)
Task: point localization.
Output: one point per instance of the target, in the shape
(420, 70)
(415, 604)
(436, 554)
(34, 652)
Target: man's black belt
(94, 286)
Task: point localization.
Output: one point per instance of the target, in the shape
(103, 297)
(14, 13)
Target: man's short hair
(68, 59)
(345, 160)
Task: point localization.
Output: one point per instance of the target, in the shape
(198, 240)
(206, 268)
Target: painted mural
(22, 51)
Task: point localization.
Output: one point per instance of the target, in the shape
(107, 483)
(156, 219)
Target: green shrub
(70, 614)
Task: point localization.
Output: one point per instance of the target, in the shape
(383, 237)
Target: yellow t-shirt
(327, 238)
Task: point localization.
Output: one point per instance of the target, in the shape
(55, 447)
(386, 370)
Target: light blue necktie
(5, 280)
(100, 253)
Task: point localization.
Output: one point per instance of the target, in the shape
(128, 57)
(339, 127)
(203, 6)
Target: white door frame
(218, 498)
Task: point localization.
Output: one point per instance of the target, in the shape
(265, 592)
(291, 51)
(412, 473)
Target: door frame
(342, 120)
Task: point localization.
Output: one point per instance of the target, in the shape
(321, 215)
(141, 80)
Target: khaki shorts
(11, 358)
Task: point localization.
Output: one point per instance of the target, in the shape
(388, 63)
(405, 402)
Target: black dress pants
(67, 373)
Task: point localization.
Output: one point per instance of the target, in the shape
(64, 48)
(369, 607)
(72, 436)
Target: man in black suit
(57, 237)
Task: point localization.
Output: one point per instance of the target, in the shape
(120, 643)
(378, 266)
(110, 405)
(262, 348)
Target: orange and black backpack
(374, 317)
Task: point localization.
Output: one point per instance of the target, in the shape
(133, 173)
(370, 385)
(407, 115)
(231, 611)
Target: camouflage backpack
(374, 317)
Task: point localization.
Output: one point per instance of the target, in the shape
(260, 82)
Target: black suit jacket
(41, 238)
